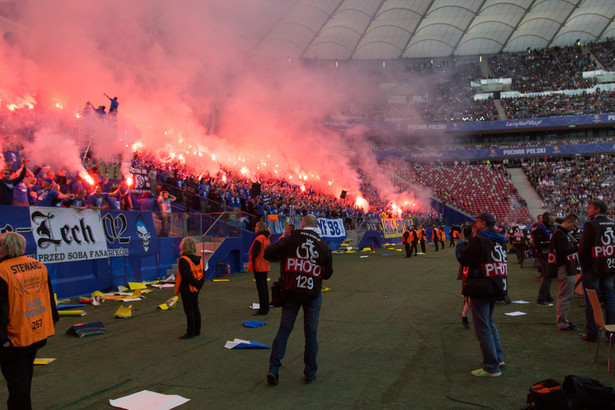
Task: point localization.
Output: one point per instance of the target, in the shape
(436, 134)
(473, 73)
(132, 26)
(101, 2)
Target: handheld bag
(277, 294)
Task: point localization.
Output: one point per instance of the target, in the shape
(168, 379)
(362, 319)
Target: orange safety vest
(435, 235)
(407, 239)
(30, 316)
(259, 263)
(422, 235)
(197, 272)
(442, 235)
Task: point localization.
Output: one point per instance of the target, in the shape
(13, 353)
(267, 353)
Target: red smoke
(189, 85)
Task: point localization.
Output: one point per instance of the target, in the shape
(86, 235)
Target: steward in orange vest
(260, 266)
(422, 238)
(192, 280)
(407, 240)
(189, 281)
(453, 234)
(30, 316)
(435, 236)
(27, 316)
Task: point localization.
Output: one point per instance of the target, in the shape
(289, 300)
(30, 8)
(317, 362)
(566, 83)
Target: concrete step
(527, 191)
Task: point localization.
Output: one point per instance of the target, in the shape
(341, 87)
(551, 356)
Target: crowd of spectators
(605, 52)
(547, 69)
(566, 185)
(442, 92)
(557, 105)
(225, 190)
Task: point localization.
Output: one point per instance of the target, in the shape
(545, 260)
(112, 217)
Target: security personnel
(453, 234)
(519, 241)
(406, 240)
(485, 257)
(435, 236)
(260, 266)
(442, 237)
(597, 258)
(188, 283)
(423, 235)
(306, 260)
(542, 241)
(27, 316)
(564, 265)
(415, 240)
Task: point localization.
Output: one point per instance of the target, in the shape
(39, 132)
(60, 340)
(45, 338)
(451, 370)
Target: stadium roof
(392, 29)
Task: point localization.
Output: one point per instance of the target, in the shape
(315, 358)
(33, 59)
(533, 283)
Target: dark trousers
(190, 301)
(311, 314)
(423, 246)
(544, 292)
(17, 364)
(415, 248)
(263, 291)
(165, 227)
(435, 242)
(520, 253)
(408, 250)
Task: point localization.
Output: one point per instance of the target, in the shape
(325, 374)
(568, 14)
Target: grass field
(390, 337)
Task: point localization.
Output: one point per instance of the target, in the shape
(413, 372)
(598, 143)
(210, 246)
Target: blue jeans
(487, 333)
(605, 284)
(311, 312)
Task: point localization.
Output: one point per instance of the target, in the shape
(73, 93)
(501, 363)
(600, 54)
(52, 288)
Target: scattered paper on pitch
(163, 285)
(169, 304)
(124, 312)
(521, 302)
(364, 256)
(253, 323)
(71, 306)
(148, 400)
(43, 360)
(255, 306)
(137, 285)
(67, 312)
(517, 313)
(244, 344)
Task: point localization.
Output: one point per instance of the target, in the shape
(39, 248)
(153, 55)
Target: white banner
(332, 228)
(66, 235)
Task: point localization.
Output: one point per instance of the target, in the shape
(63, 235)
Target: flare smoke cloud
(189, 82)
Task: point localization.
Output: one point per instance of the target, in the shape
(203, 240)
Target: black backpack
(586, 393)
(546, 395)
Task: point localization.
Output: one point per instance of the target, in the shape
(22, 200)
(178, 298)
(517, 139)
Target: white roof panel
(390, 29)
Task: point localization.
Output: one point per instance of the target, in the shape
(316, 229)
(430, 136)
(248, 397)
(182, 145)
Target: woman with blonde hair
(189, 281)
(27, 316)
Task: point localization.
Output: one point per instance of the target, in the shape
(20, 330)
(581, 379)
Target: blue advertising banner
(476, 126)
(540, 151)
